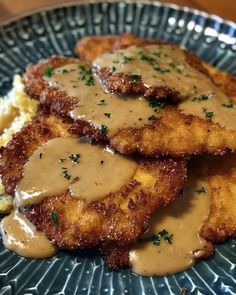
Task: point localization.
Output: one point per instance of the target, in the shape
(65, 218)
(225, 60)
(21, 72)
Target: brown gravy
(166, 65)
(90, 172)
(183, 219)
(21, 237)
(97, 106)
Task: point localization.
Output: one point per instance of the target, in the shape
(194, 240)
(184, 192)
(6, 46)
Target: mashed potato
(15, 109)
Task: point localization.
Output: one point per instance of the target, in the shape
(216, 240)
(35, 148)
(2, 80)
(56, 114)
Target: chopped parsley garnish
(40, 155)
(90, 81)
(54, 217)
(151, 60)
(201, 190)
(64, 71)
(48, 71)
(127, 59)
(176, 67)
(102, 102)
(152, 118)
(115, 61)
(113, 69)
(65, 174)
(108, 115)
(86, 74)
(161, 70)
(74, 158)
(201, 97)
(163, 234)
(209, 114)
(158, 54)
(104, 129)
(229, 105)
(153, 103)
(134, 78)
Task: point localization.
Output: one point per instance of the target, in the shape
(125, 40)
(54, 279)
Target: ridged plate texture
(55, 32)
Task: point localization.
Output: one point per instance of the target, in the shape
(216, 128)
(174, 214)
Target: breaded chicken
(168, 135)
(119, 218)
(221, 222)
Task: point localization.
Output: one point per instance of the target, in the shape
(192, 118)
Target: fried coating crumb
(119, 218)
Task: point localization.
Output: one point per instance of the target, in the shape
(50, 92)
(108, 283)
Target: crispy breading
(221, 222)
(91, 47)
(119, 218)
(168, 135)
(88, 48)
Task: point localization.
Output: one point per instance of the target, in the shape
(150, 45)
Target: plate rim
(51, 7)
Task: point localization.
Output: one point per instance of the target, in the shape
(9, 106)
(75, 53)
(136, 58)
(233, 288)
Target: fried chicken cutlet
(120, 217)
(219, 175)
(155, 130)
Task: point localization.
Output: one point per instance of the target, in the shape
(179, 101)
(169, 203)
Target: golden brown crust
(223, 80)
(169, 135)
(176, 134)
(221, 222)
(119, 218)
(118, 257)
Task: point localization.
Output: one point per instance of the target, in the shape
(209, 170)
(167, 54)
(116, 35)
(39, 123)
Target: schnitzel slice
(161, 131)
(220, 177)
(221, 222)
(120, 217)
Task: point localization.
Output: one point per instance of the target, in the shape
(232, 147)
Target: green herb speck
(54, 217)
(74, 158)
(102, 102)
(201, 190)
(209, 115)
(108, 115)
(48, 71)
(152, 118)
(104, 128)
(163, 234)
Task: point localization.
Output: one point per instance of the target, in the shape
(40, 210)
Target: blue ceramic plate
(55, 32)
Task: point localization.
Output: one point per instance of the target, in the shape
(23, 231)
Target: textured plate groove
(55, 32)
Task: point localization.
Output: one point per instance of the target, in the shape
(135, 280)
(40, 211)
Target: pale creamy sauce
(166, 65)
(20, 235)
(89, 172)
(183, 219)
(98, 107)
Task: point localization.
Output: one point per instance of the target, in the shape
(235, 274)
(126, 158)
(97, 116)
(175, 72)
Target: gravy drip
(20, 236)
(183, 219)
(88, 171)
(98, 107)
(166, 65)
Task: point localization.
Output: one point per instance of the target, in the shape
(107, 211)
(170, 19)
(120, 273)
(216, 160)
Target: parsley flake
(151, 60)
(48, 71)
(127, 59)
(74, 158)
(163, 234)
(152, 118)
(161, 70)
(229, 105)
(108, 115)
(200, 98)
(102, 102)
(65, 174)
(209, 114)
(54, 217)
(201, 190)
(134, 78)
(104, 129)
(153, 103)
